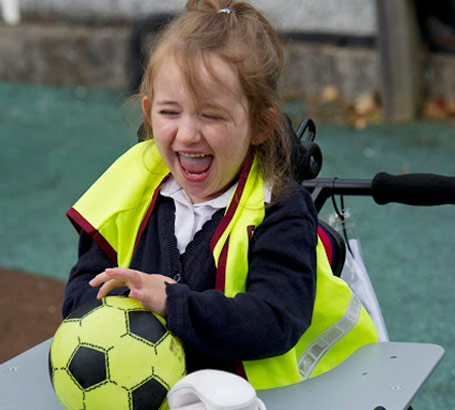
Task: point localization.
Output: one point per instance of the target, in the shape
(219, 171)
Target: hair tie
(227, 11)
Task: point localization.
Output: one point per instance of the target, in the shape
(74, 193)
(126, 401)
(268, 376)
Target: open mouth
(195, 167)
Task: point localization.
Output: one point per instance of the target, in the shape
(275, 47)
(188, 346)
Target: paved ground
(56, 141)
(30, 307)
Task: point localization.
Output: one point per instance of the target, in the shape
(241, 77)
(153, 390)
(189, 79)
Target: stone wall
(340, 16)
(82, 42)
(99, 56)
(65, 55)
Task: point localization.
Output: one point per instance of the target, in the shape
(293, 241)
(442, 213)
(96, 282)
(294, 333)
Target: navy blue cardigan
(265, 321)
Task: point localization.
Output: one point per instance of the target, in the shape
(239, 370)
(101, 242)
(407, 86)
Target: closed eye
(212, 117)
(168, 113)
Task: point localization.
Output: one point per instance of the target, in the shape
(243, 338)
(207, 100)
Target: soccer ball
(114, 354)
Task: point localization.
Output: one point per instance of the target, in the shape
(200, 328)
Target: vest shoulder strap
(120, 198)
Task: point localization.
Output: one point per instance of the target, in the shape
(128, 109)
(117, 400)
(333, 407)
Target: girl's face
(205, 144)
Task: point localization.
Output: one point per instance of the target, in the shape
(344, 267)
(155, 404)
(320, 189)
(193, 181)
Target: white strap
(213, 390)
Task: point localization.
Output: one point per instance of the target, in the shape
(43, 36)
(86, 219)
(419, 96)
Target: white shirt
(189, 217)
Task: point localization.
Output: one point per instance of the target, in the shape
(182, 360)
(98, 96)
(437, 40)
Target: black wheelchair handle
(409, 189)
(413, 189)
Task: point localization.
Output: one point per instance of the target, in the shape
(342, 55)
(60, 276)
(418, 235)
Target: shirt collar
(172, 189)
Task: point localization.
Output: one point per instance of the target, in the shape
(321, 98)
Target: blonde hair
(244, 39)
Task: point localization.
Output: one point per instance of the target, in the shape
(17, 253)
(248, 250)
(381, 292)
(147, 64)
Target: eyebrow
(210, 106)
(167, 102)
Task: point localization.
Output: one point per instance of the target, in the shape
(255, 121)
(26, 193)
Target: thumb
(136, 294)
(143, 298)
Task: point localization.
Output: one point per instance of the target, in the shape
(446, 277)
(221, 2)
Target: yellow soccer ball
(114, 354)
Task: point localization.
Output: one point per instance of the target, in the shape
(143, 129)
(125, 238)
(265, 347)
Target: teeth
(192, 155)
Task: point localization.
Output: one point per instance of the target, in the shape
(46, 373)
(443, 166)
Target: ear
(268, 124)
(146, 108)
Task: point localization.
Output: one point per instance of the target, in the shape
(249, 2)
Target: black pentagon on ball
(145, 325)
(149, 396)
(81, 311)
(88, 366)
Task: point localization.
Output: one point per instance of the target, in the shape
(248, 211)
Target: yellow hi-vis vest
(117, 207)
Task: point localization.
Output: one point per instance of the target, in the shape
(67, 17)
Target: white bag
(355, 274)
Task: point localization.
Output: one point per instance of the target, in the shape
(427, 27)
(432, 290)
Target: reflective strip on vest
(316, 350)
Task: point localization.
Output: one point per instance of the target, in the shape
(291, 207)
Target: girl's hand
(149, 289)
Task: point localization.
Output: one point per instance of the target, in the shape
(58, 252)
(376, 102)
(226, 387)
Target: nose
(188, 132)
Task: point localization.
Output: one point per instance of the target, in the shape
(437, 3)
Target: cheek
(163, 143)
(161, 132)
(242, 143)
(233, 150)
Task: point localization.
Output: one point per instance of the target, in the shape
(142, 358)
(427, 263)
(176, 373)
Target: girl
(201, 222)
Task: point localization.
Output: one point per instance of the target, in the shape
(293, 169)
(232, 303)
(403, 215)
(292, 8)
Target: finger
(99, 279)
(113, 273)
(132, 277)
(107, 287)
